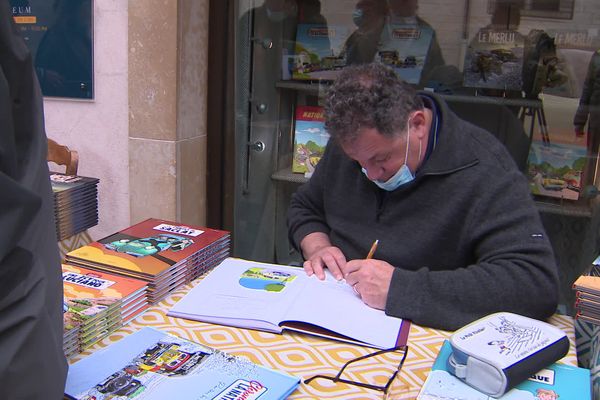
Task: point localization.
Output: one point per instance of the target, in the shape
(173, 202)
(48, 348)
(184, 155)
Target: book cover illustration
(557, 381)
(267, 279)
(555, 169)
(94, 304)
(98, 289)
(494, 60)
(574, 49)
(149, 248)
(404, 47)
(318, 51)
(151, 364)
(310, 139)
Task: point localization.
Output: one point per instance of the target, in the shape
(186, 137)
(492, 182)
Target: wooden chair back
(62, 155)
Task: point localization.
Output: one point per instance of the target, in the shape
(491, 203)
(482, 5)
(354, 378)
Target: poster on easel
(494, 60)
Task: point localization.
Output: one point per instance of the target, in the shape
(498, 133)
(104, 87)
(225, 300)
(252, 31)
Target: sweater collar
(450, 151)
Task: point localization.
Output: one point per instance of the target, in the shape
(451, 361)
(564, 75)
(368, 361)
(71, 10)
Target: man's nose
(373, 173)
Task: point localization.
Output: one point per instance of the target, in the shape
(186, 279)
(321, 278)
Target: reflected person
(588, 112)
(376, 21)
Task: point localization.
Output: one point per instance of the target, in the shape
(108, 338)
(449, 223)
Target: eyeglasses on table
(382, 388)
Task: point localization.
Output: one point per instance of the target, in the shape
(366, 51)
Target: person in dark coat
(32, 362)
(588, 112)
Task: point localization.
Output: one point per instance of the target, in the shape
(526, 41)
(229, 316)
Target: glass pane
(524, 70)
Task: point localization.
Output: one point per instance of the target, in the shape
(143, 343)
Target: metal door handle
(257, 146)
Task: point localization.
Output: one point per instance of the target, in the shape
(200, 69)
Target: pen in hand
(369, 256)
(373, 248)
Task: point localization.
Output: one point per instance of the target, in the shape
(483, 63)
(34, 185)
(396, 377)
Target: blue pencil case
(497, 352)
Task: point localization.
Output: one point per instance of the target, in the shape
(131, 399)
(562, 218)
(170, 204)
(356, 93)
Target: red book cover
(148, 248)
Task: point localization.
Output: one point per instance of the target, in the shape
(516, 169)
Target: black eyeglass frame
(384, 388)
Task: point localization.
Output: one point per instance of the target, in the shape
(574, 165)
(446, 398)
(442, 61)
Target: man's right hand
(320, 254)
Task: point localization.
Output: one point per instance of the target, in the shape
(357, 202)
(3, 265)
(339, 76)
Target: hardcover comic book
(557, 381)
(555, 169)
(89, 292)
(310, 139)
(151, 364)
(494, 60)
(404, 47)
(149, 248)
(318, 51)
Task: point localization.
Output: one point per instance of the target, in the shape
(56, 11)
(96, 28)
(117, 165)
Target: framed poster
(59, 34)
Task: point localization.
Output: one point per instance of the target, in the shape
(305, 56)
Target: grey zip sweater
(465, 236)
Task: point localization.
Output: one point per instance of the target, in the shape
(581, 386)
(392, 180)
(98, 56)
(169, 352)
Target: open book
(273, 297)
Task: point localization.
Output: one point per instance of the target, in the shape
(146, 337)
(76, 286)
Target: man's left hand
(370, 279)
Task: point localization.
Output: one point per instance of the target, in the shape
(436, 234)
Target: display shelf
(564, 207)
(286, 175)
(315, 88)
(505, 101)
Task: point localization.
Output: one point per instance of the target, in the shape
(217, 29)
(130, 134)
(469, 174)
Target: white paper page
(335, 306)
(222, 298)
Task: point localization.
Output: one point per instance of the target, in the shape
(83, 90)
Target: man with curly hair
(459, 234)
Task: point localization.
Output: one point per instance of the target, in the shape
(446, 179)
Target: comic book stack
(96, 304)
(164, 254)
(75, 203)
(587, 300)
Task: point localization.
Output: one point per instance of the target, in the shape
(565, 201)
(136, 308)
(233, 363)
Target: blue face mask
(358, 16)
(403, 175)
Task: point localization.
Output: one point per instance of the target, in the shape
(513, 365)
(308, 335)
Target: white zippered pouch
(497, 352)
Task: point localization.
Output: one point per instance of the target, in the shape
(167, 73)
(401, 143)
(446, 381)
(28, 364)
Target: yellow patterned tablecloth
(304, 356)
(73, 242)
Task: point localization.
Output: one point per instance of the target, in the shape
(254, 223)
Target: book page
(243, 293)
(335, 306)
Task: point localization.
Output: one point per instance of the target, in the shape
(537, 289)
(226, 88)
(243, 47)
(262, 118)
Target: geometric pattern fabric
(304, 356)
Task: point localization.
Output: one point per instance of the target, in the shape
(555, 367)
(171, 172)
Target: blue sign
(59, 35)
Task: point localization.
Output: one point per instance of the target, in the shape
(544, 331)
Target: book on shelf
(404, 48)
(310, 139)
(272, 298)
(557, 381)
(494, 60)
(318, 53)
(165, 254)
(555, 169)
(152, 364)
